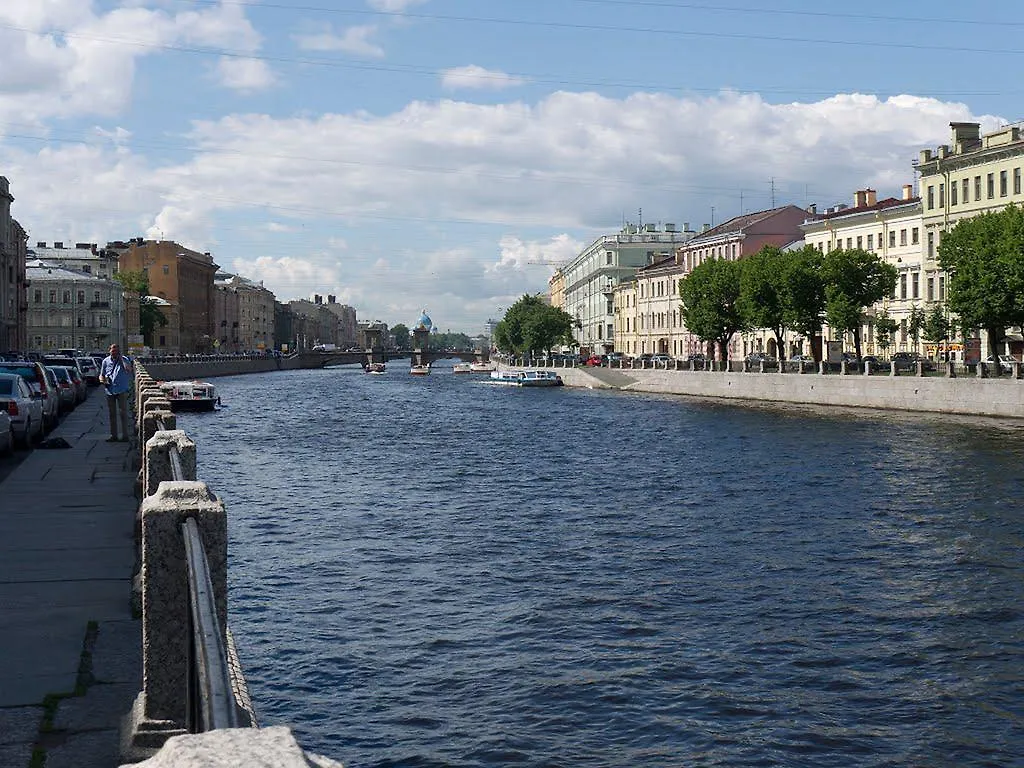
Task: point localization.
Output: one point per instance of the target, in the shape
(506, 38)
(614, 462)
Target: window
(167, 269)
(977, 188)
(915, 236)
(849, 243)
(903, 331)
(611, 331)
(965, 188)
(37, 297)
(871, 242)
(87, 268)
(1016, 181)
(163, 342)
(81, 297)
(942, 287)
(931, 196)
(892, 238)
(990, 185)
(80, 322)
(931, 289)
(931, 247)
(1004, 184)
(608, 258)
(952, 193)
(914, 292)
(942, 195)
(903, 237)
(860, 242)
(95, 295)
(66, 297)
(903, 286)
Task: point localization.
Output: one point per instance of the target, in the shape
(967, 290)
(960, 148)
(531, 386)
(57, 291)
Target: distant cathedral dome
(424, 322)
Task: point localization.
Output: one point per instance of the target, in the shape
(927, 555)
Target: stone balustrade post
(1015, 365)
(159, 711)
(844, 368)
(892, 368)
(157, 464)
(822, 368)
(920, 368)
(950, 369)
(867, 367)
(760, 365)
(150, 405)
(982, 373)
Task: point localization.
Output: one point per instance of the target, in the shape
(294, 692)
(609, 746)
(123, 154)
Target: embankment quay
(113, 596)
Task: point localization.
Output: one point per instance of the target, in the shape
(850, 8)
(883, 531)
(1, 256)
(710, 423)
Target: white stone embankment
(965, 395)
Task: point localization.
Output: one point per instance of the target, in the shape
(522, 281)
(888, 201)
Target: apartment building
(591, 277)
(243, 314)
(182, 277)
(13, 255)
(892, 229)
(71, 309)
(556, 289)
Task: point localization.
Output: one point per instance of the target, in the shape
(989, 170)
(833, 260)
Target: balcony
(99, 305)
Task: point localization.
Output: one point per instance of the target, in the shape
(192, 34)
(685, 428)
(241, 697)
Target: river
(433, 571)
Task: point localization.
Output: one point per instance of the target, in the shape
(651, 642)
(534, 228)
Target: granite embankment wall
(212, 367)
(966, 395)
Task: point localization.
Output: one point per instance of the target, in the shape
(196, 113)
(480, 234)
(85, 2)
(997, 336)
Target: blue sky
(411, 154)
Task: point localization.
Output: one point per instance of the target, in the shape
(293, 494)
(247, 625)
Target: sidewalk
(66, 559)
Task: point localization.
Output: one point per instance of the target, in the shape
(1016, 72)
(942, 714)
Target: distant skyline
(437, 154)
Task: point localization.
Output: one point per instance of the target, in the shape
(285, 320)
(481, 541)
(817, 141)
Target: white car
(6, 433)
(24, 408)
(90, 370)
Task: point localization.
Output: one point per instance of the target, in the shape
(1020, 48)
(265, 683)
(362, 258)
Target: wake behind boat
(527, 378)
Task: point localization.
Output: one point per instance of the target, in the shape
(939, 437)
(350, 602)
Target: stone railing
(161, 725)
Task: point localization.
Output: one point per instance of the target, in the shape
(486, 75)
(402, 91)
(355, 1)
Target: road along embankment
(965, 395)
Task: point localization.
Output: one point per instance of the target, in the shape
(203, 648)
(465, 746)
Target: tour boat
(463, 368)
(528, 378)
(190, 395)
(420, 370)
(376, 368)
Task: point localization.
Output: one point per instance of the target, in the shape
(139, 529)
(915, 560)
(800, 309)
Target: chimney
(705, 227)
(318, 299)
(859, 197)
(41, 244)
(965, 136)
(58, 245)
(871, 196)
(908, 191)
(813, 209)
(331, 299)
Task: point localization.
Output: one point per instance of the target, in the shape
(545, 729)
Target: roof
(737, 224)
(38, 269)
(887, 202)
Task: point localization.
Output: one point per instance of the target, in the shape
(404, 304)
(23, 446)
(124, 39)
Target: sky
(405, 155)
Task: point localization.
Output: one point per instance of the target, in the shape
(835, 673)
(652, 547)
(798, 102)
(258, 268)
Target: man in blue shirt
(116, 376)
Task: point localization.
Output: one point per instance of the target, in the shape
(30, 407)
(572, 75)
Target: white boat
(375, 368)
(463, 368)
(527, 378)
(481, 366)
(420, 370)
(190, 395)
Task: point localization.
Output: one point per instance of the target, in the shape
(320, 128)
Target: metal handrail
(211, 700)
(177, 472)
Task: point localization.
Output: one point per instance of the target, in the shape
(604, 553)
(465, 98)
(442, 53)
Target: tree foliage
(782, 290)
(532, 325)
(150, 315)
(710, 302)
(984, 256)
(854, 280)
(885, 329)
(937, 327)
(402, 336)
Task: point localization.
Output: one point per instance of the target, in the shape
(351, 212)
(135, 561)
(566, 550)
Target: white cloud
(287, 276)
(474, 77)
(354, 40)
(393, 6)
(243, 74)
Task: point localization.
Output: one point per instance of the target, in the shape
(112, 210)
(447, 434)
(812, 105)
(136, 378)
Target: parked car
(90, 370)
(661, 360)
(65, 387)
(42, 383)
(593, 361)
(906, 361)
(24, 408)
(7, 439)
(805, 359)
(756, 358)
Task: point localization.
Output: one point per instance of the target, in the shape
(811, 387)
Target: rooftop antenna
(640, 213)
(712, 215)
(773, 191)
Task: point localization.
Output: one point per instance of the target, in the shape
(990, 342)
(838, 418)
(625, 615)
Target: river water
(433, 571)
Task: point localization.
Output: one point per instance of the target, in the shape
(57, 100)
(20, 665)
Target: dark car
(907, 361)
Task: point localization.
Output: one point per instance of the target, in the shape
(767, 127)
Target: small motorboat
(481, 366)
(463, 368)
(375, 368)
(420, 370)
(190, 395)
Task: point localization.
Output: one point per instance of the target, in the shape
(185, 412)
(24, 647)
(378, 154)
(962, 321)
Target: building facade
(243, 314)
(974, 174)
(70, 309)
(590, 278)
(182, 277)
(13, 285)
(892, 229)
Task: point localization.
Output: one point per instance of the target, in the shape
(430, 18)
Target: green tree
(531, 325)
(782, 290)
(854, 280)
(916, 324)
(401, 335)
(710, 296)
(937, 327)
(150, 316)
(984, 256)
(885, 329)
